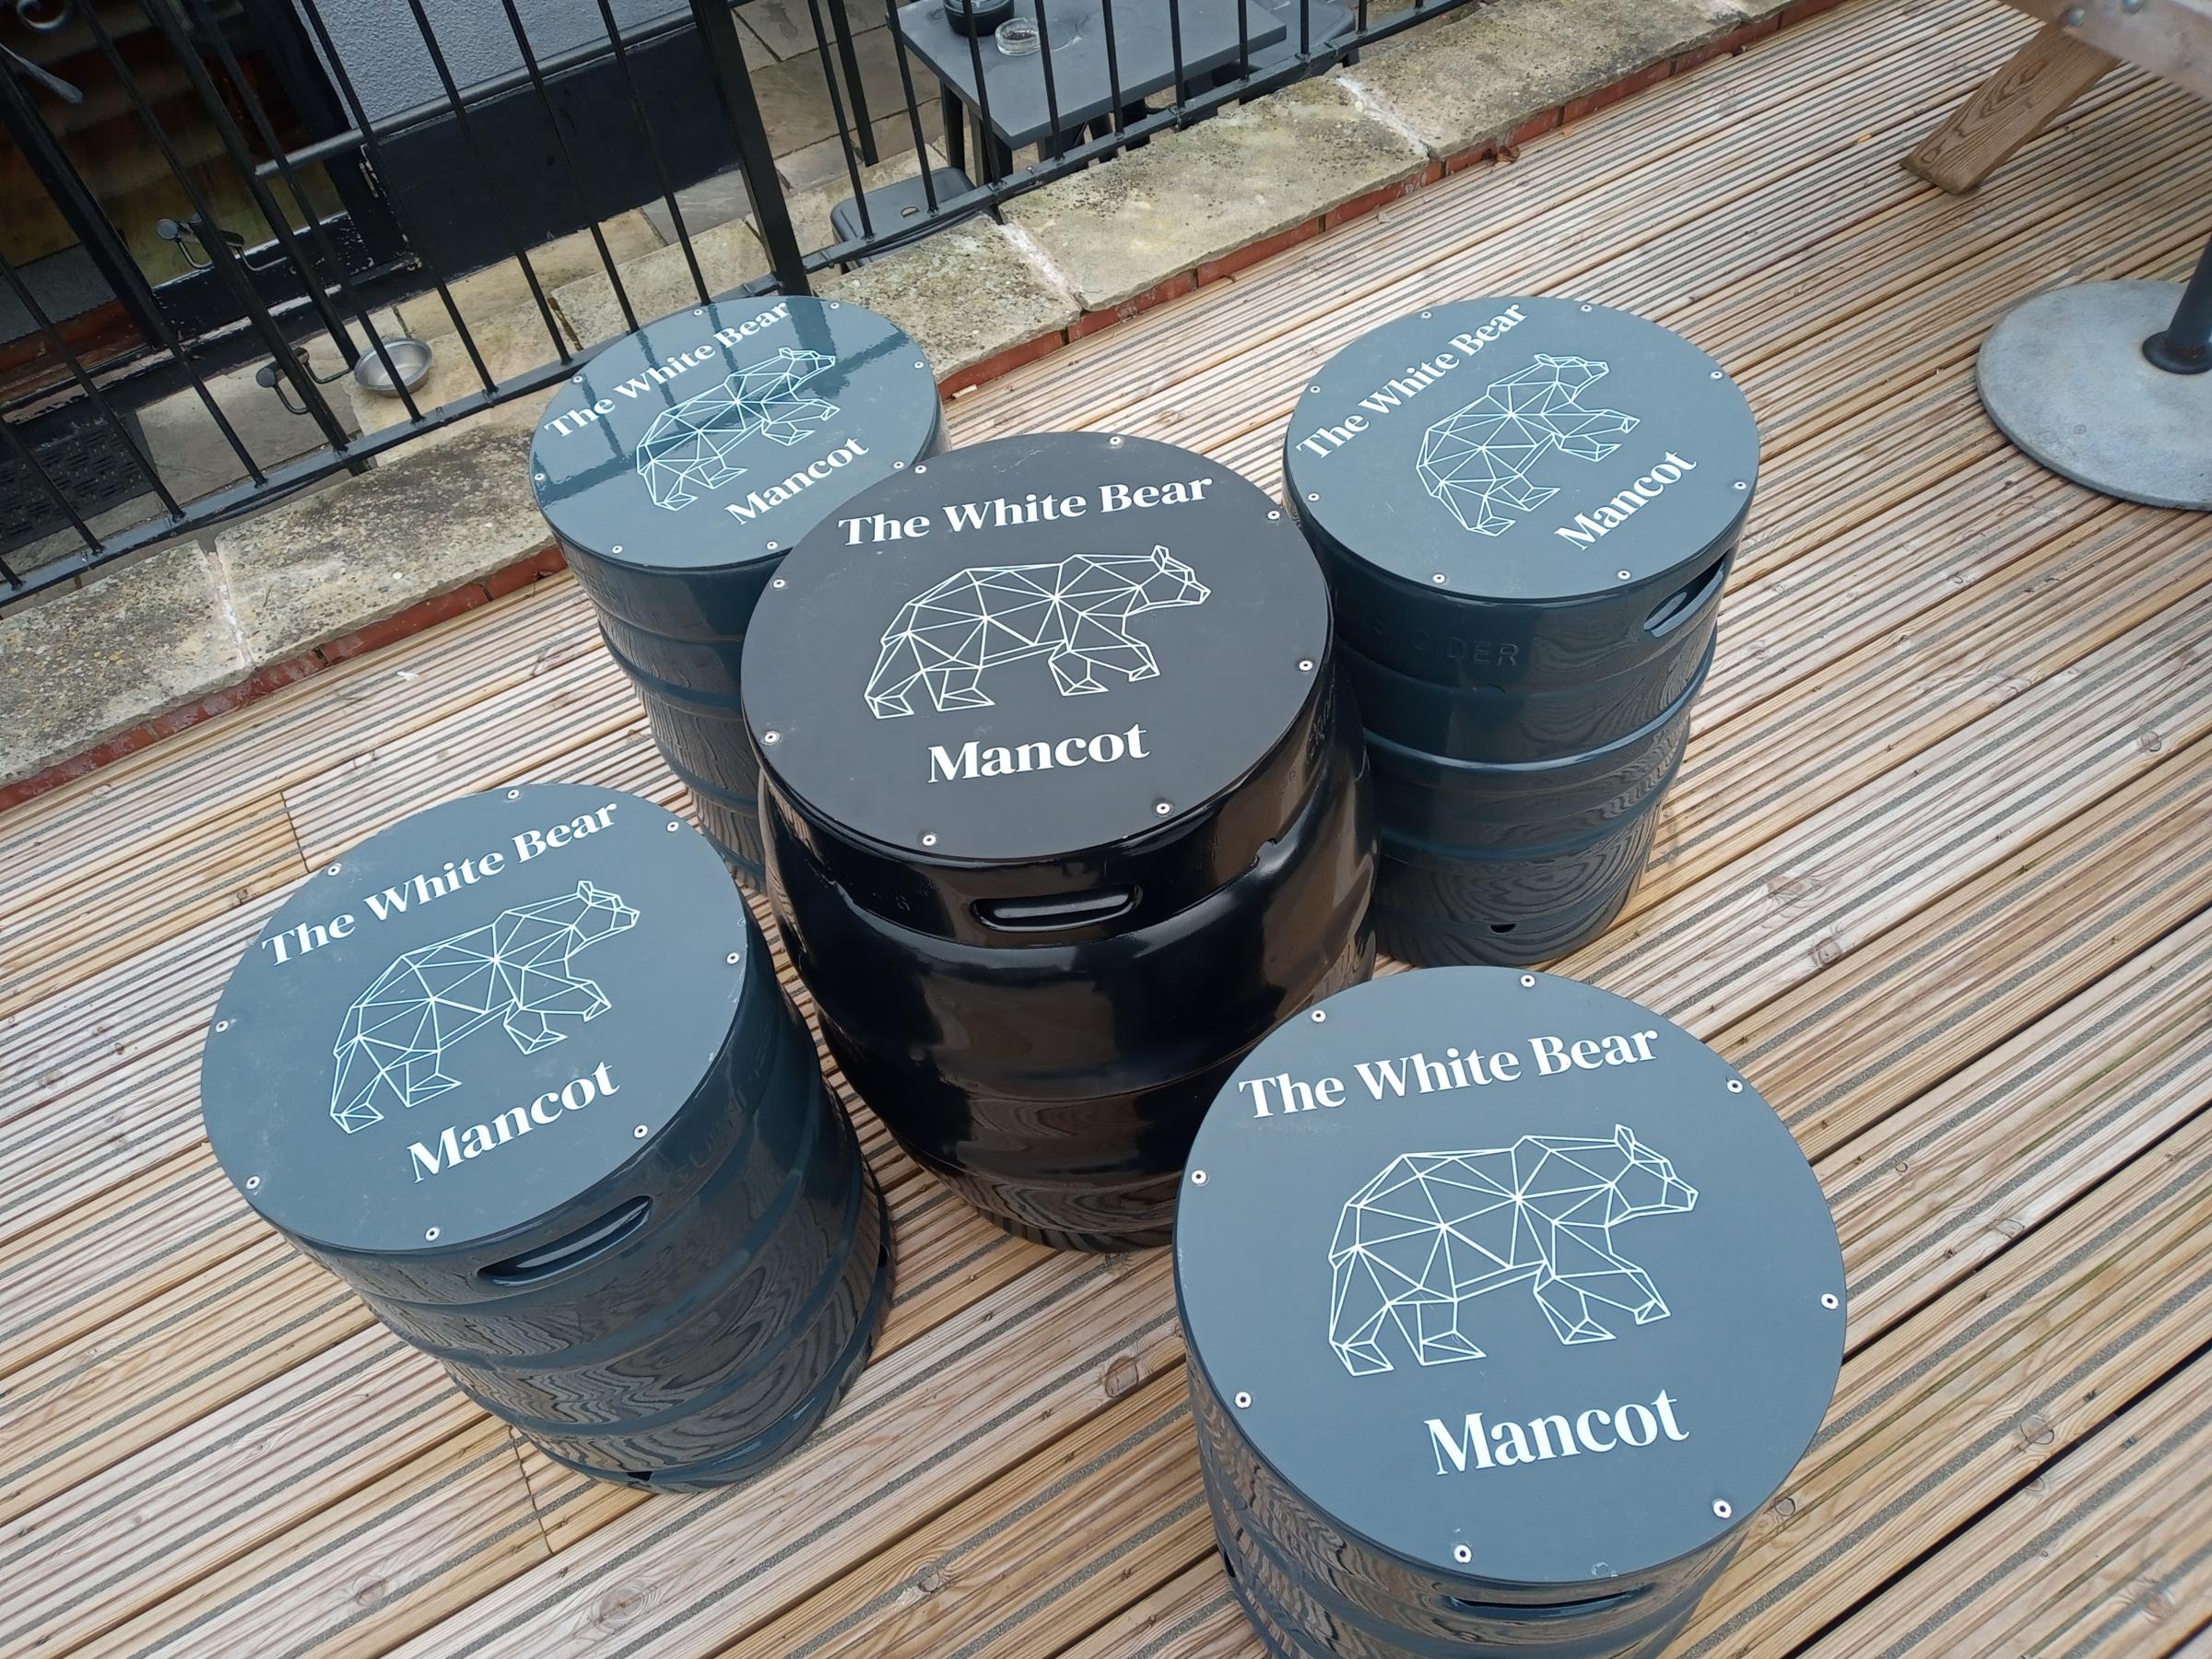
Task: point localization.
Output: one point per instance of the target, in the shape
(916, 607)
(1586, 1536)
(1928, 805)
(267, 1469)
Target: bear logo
(1075, 614)
(688, 447)
(1478, 457)
(515, 970)
(1435, 1230)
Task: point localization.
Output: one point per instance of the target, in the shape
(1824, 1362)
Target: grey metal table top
(1143, 42)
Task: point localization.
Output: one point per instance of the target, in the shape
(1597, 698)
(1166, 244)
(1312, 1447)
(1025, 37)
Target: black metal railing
(195, 186)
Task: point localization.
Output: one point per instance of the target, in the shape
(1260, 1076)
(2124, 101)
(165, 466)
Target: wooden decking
(1936, 874)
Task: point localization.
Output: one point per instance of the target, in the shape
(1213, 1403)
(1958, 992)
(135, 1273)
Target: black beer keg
(1508, 1303)
(519, 1071)
(1067, 808)
(679, 465)
(1527, 508)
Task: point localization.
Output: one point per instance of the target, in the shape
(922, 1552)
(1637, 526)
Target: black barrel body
(1550, 1305)
(1066, 809)
(519, 1070)
(678, 468)
(1527, 508)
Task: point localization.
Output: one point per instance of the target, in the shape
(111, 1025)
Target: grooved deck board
(1935, 874)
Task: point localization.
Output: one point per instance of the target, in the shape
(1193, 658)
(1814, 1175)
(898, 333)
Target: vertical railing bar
(291, 174)
(1113, 65)
(734, 86)
(1051, 96)
(913, 107)
(475, 149)
(568, 161)
(250, 302)
(1305, 25)
(653, 148)
(1182, 90)
(327, 50)
(986, 141)
(849, 60)
(23, 449)
(234, 146)
(46, 327)
(837, 109)
(1243, 40)
(162, 327)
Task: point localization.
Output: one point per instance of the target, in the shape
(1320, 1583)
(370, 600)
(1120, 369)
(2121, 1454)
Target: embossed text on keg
(458, 1142)
(1610, 515)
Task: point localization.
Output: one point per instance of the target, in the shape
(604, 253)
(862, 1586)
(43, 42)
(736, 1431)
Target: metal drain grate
(87, 461)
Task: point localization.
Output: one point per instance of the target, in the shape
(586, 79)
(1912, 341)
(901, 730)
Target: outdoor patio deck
(1936, 875)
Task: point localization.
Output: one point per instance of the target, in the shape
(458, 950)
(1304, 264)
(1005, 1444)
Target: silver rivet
(1320, 1015)
(833, 305)
(1528, 979)
(771, 736)
(772, 547)
(541, 477)
(1461, 1554)
(777, 582)
(1197, 1177)
(1622, 574)
(697, 312)
(332, 871)
(252, 1183)
(515, 794)
(920, 364)
(616, 549)
(897, 466)
(1828, 1300)
(1162, 807)
(920, 469)
(222, 1025)
(1438, 578)
(1305, 665)
(1312, 496)
(929, 840)
(1585, 308)
(1741, 484)
(638, 1133)
(577, 377)
(1275, 515)
(731, 958)
(1424, 314)
(1243, 1400)
(1714, 375)
(673, 828)
(1736, 1086)
(1314, 388)
(430, 1236)
(1722, 1508)
(1113, 443)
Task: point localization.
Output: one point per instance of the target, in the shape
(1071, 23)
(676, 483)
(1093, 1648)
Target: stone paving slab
(1190, 196)
(1476, 79)
(436, 516)
(967, 294)
(121, 652)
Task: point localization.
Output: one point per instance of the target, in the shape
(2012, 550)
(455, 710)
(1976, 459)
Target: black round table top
(1499, 1263)
(1521, 448)
(1033, 647)
(473, 1017)
(722, 434)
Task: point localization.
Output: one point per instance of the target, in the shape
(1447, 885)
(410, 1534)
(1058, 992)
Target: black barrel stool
(1065, 810)
(678, 468)
(519, 1071)
(1527, 508)
(1507, 1305)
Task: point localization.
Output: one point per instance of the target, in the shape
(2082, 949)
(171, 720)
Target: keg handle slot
(1056, 911)
(1686, 600)
(1542, 1613)
(572, 1249)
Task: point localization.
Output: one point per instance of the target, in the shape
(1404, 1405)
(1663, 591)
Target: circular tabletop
(1521, 448)
(723, 434)
(1499, 1263)
(1034, 647)
(468, 1020)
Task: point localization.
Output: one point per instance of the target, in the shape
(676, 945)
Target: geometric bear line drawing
(515, 969)
(1478, 457)
(688, 446)
(1436, 1231)
(1075, 614)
